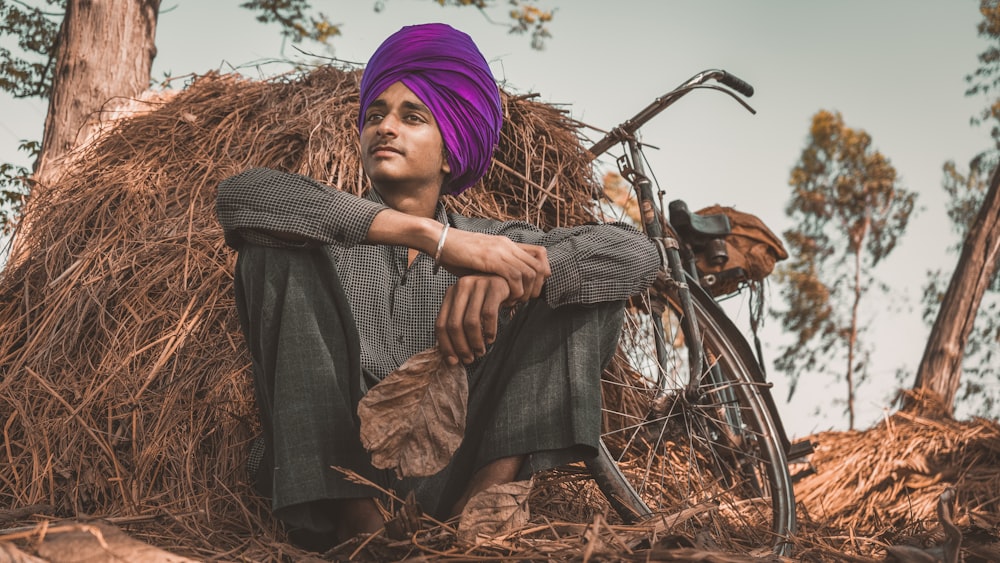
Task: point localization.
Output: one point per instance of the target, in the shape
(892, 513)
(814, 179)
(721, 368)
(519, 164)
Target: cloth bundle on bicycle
(752, 247)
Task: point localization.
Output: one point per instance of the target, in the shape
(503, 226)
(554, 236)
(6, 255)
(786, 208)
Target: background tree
(102, 52)
(83, 54)
(964, 343)
(963, 347)
(850, 210)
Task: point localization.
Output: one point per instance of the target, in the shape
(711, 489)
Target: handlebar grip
(736, 84)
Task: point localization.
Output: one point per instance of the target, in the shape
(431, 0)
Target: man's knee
(255, 260)
(603, 321)
(590, 327)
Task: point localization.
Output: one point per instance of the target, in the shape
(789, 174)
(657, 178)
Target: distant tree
(81, 54)
(103, 51)
(620, 199)
(963, 347)
(849, 210)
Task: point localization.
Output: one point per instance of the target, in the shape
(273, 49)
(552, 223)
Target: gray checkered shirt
(395, 306)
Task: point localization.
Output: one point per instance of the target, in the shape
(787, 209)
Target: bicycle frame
(655, 224)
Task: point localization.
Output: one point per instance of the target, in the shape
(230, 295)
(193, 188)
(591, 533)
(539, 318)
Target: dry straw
(885, 482)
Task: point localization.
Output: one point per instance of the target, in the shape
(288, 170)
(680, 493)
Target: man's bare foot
(357, 516)
(351, 517)
(503, 470)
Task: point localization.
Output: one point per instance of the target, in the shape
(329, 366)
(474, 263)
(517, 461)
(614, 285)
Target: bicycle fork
(670, 257)
(672, 267)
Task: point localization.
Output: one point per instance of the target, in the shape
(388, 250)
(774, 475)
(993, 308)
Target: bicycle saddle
(692, 225)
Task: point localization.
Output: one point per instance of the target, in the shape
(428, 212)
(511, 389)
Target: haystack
(125, 390)
(883, 485)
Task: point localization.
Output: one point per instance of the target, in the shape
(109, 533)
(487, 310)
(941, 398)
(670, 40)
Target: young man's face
(401, 146)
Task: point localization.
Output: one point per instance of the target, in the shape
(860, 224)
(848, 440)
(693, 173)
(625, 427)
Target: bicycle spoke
(709, 445)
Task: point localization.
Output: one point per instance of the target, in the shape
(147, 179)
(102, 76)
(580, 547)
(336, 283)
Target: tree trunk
(858, 233)
(105, 50)
(940, 368)
(852, 338)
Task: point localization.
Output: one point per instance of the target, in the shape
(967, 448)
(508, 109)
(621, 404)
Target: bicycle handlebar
(735, 83)
(630, 126)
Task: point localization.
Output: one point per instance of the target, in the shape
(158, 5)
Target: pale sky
(894, 68)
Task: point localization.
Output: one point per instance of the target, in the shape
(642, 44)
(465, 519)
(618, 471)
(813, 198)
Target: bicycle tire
(714, 461)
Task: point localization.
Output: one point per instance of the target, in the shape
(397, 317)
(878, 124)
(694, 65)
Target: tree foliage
(14, 188)
(524, 16)
(295, 21)
(28, 74)
(849, 210)
(986, 79)
(23, 75)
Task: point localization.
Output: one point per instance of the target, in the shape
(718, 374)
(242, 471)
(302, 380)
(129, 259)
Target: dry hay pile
(124, 383)
(882, 486)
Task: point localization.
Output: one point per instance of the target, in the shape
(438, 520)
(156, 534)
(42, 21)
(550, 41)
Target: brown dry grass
(881, 486)
(124, 386)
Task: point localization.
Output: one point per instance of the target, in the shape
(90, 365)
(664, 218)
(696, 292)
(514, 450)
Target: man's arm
(598, 263)
(590, 263)
(272, 208)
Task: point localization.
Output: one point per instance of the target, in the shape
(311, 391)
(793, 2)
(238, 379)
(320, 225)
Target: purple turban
(445, 69)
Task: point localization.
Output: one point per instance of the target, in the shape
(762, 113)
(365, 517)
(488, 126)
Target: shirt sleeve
(590, 263)
(253, 205)
(596, 263)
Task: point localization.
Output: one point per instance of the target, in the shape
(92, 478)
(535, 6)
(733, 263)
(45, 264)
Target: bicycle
(691, 434)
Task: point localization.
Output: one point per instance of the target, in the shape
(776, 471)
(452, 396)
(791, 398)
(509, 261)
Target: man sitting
(335, 291)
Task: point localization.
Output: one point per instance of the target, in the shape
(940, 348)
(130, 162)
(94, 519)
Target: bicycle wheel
(711, 459)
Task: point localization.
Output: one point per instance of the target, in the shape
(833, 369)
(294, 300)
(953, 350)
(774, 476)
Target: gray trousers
(536, 393)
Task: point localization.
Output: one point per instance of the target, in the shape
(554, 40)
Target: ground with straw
(125, 394)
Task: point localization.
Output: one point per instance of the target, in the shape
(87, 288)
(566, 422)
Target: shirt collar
(439, 212)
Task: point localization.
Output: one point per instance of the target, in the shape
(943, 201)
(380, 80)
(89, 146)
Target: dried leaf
(100, 542)
(494, 511)
(9, 553)
(414, 419)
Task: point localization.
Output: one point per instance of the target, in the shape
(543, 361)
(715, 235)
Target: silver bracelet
(440, 247)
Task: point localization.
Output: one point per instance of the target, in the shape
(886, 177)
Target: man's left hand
(467, 322)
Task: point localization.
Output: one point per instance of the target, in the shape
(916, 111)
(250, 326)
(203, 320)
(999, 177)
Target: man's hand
(467, 322)
(524, 267)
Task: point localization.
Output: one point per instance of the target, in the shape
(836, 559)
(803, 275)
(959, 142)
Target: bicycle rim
(707, 462)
